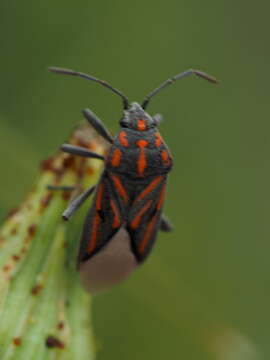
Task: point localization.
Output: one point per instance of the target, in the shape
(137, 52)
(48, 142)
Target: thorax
(139, 154)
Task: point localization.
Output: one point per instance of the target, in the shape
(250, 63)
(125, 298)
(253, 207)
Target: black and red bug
(130, 193)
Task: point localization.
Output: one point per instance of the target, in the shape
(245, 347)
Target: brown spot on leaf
(17, 341)
(59, 171)
(36, 289)
(68, 162)
(44, 202)
(61, 325)
(81, 167)
(47, 165)
(26, 240)
(12, 212)
(23, 250)
(32, 229)
(6, 268)
(54, 342)
(89, 171)
(66, 195)
(81, 142)
(14, 230)
(16, 257)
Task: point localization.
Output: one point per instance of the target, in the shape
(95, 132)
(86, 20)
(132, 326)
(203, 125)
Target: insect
(130, 194)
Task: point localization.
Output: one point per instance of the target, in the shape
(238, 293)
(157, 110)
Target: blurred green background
(205, 291)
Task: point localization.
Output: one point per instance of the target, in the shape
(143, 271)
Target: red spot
(136, 221)
(149, 188)
(99, 196)
(161, 197)
(120, 188)
(142, 143)
(93, 239)
(123, 138)
(141, 163)
(54, 342)
(17, 341)
(147, 234)
(116, 220)
(158, 141)
(116, 157)
(141, 125)
(164, 155)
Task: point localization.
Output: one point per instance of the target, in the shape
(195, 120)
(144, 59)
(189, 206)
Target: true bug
(130, 193)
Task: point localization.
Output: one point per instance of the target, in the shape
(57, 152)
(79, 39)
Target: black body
(131, 190)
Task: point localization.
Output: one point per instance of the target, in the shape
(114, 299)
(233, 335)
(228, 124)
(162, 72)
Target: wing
(103, 220)
(145, 216)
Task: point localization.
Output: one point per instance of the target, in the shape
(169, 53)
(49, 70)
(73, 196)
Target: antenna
(92, 78)
(173, 79)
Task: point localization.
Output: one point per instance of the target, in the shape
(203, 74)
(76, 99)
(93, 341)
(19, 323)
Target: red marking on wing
(149, 188)
(148, 233)
(136, 221)
(116, 221)
(141, 126)
(165, 157)
(116, 157)
(141, 163)
(161, 197)
(158, 141)
(93, 238)
(123, 138)
(120, 188)
(99, 196)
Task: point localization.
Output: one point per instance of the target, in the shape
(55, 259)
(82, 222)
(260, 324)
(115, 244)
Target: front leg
(97, 125)
(77, 202)
(80, 151)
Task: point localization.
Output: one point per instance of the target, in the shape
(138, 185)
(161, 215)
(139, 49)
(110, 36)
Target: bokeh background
(205, 291)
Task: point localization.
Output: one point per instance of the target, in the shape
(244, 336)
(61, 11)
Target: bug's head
(137, 119)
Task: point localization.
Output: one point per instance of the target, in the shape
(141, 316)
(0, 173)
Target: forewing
(144, 217)
(103, 220)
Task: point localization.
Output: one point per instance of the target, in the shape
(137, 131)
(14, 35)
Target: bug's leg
(80, 151)
(77, 202)
(165, 224)
(97, 125)
(158, 118)
(61, 187)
